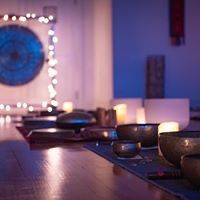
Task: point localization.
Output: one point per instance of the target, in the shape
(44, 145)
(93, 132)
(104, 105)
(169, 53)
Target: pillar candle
(121, 113)
(140, 116)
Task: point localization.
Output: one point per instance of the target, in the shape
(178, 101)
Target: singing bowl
(99, 133)
(147, 134)
(190, 167)
(173, 145)
(126, 148)
(75, 120)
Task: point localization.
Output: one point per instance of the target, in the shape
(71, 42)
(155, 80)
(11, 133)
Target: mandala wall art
(21, 55)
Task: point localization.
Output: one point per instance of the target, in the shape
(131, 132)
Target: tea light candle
(167, 127)
(140, 116)
(121, 113)
(68, 107)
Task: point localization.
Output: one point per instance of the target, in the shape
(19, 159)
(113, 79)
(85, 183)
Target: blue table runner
(149, 161)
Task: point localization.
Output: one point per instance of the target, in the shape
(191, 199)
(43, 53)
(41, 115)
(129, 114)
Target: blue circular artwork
(21, 55)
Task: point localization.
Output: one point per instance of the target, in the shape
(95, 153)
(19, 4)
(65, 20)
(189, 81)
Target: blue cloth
(149, 162)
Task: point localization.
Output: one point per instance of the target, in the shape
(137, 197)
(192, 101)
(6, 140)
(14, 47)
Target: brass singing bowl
(190, 166)
(173, 145)
(147, 134)
(126, 148)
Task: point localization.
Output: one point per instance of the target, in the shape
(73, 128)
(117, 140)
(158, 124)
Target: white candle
(140, 116)
(68, 107)
(132, 105)
(121, 113)
(167, 127)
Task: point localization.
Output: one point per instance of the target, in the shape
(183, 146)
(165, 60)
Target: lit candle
(132, 105)
(68, 107)
(121, 113)
(140, 116)
(167, 127)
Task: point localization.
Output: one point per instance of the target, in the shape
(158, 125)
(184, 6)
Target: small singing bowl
(190, 166)
(147, 134)
(126, 148)
(173, 145)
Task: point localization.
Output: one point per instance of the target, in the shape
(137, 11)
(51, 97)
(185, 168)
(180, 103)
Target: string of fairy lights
(51, 60)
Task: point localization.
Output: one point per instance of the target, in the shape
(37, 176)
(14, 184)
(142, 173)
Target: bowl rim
(135, 124)
(191, 156)
(125, 142)
(177, 134)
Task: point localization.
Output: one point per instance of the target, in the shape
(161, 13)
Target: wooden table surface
(65, 172)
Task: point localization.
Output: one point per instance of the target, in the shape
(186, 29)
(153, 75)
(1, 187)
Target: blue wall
(140, 29)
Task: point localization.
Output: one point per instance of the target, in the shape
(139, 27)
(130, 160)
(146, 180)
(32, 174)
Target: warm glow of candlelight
(68, 107)
(121, 113)
(167, 127)
(140, 116)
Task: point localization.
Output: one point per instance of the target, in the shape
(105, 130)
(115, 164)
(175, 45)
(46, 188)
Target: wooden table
(65, 172)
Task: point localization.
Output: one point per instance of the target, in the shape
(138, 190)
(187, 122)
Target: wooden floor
(65, 172)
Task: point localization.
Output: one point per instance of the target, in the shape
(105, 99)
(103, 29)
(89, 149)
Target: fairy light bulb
(33, 15)
(51, 32)
(41, 19)
(14, 18)
(8, 107)
(51, 17)
(24, 105)
(52, 62)
(21, 18)
(54, 103)
(51, 53)
(19, 105)
(46, 20)
(2, 106)
(51, 47)
(5, 17)
(30, 109)
(54, 81)
(28, 15)
(55, 39)
(53, 94)
(49, 109)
